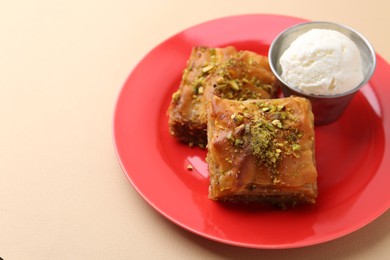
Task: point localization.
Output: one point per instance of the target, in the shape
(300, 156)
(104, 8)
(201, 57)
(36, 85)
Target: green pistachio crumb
(176, 96)
(237, 118)
(296, 147)
(207, 68)
(276, 122)
(238, 142)
(276, 181)
(270, 127)
(233, 84)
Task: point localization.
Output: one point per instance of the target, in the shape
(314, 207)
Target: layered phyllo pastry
(224, 72)
(262, 151)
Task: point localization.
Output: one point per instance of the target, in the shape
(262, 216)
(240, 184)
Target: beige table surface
(63, 194)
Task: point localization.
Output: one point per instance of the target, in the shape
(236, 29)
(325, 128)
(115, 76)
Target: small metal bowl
(326, 108)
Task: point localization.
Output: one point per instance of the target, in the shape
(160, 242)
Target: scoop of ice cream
(322, 62)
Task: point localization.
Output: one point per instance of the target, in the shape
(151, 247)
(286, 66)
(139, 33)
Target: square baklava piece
(262, 151)
(225, 72)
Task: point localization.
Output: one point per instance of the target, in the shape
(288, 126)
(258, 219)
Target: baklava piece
(224, 72)
(262, 151)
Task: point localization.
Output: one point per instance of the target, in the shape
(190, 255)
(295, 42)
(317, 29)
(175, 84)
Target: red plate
(352, 153)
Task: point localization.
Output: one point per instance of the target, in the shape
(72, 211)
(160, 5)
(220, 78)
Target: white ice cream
(322, 62)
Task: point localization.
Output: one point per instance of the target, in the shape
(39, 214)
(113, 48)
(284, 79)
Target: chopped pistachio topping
(220, 80)
(261, 141)
(276, 180)
(176, 96)
(295, 147)
(228, 160)
(276, 122)
(207, 68)
(270, 137)
(238, 142)
(233, 84)
(237, 118)
(233, 77)
(270, 127)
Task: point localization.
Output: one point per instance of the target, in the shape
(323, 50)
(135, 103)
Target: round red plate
(352, 154)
